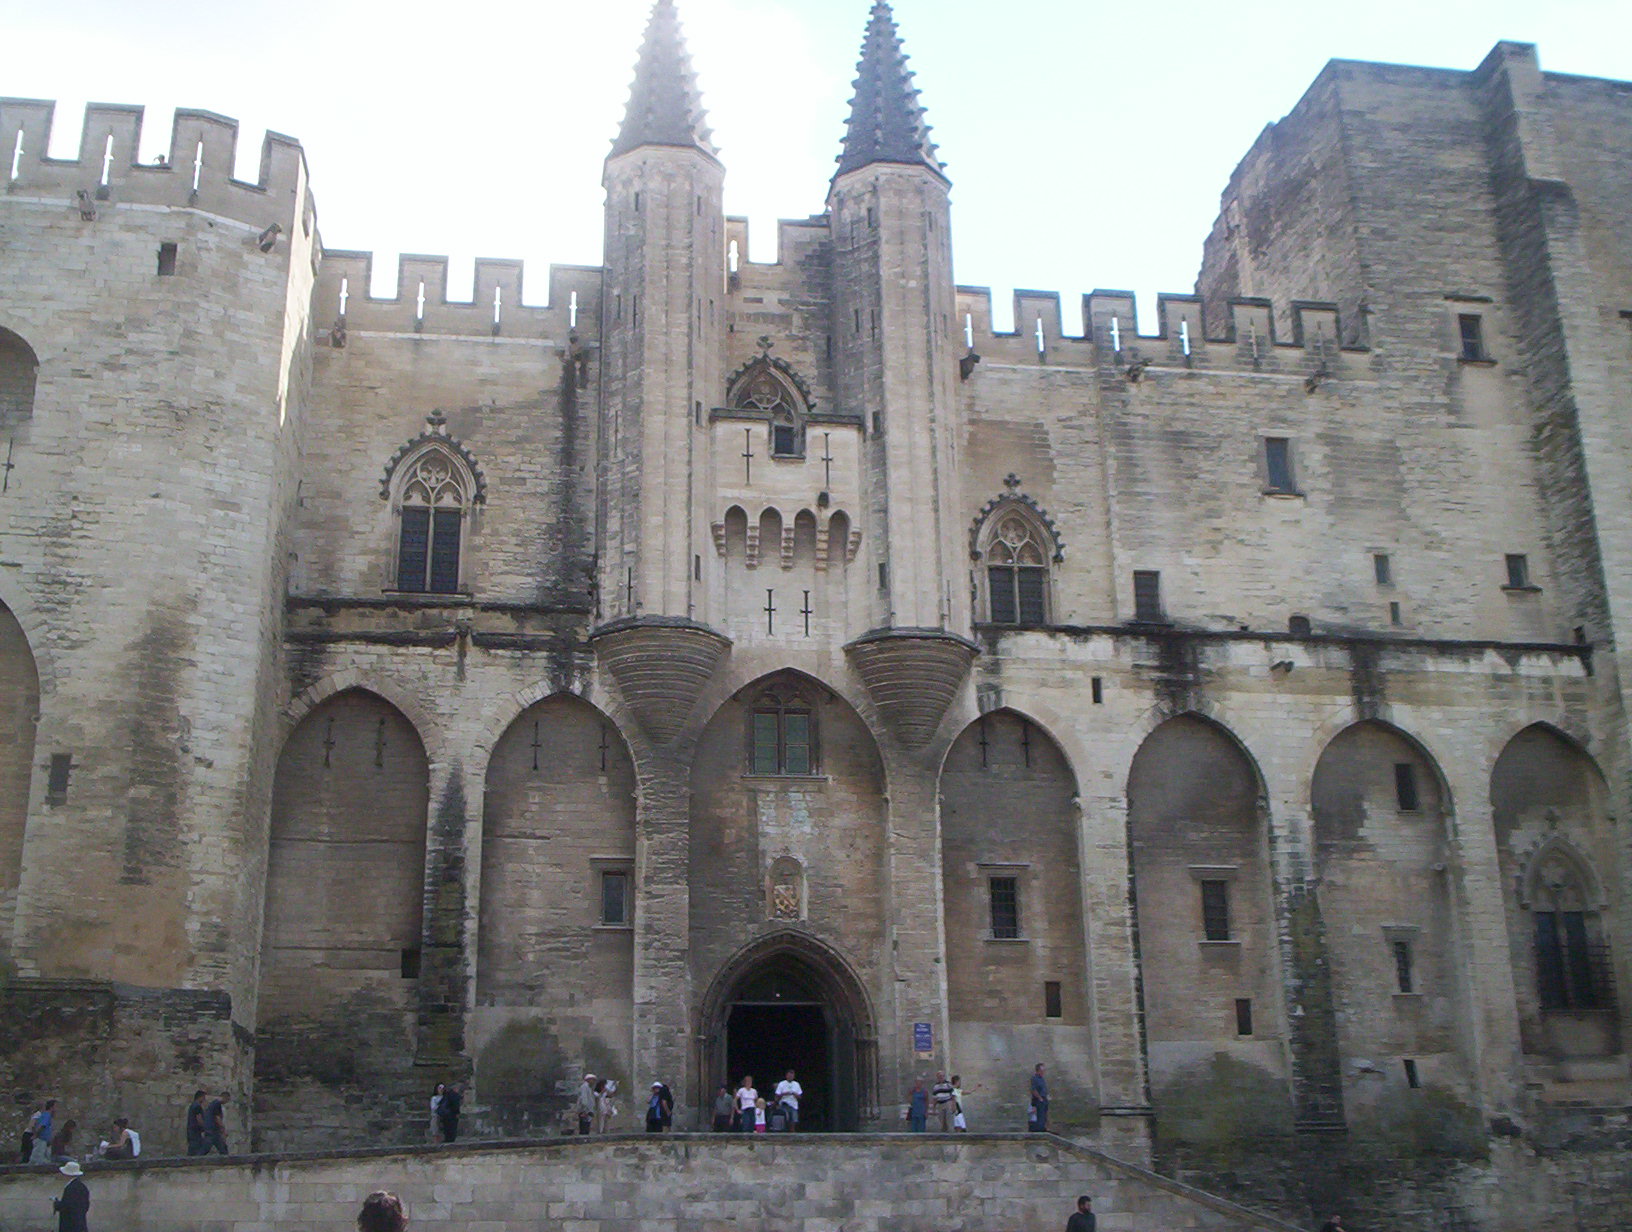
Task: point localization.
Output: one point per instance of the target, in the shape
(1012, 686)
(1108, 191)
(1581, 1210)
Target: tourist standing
(215, 1125)
(196, 1144)
(1037, 1115)
(28, 1133)
(75, 1202)
(960, 1123)
(659, 1109)
(945, 1101)
(447, 1112)
(788, 1094)
(40, 1150)
(724, 1110)
(382, 1212)
(918, 1107)
(437, 1092)
(746, 1097)
(605, 1110)
(1083, 1220)
(585, 1106)
(62, 1142)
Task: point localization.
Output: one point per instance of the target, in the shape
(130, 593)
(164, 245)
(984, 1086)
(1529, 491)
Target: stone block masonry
(681, 1183)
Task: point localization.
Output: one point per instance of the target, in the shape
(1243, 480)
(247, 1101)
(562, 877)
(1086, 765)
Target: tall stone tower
(893, 343)
(661, 355)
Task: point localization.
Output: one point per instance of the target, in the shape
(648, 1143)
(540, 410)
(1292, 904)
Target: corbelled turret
(665, 107)
(886, 120)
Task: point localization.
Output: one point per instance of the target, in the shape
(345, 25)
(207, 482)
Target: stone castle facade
(737, 665)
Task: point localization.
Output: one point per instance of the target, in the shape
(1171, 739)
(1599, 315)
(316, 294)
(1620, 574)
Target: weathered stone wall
(19, 711)
(867, 1183)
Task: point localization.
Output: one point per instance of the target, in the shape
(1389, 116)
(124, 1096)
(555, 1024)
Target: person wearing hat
(586, 1105)
(75, 1202)
(659, 1109)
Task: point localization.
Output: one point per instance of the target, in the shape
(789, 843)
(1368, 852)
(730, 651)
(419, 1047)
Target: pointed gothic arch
(434, 485)
(19, 714)
(770, 388)
(19, 372)
(1018, 544)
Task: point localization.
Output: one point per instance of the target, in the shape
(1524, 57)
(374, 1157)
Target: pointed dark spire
(664, 105)
(886, 122)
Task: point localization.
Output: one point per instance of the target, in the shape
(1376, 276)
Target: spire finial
(665, 107)
(886, 120)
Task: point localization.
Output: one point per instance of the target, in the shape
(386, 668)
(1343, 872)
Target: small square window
(1278, 464)
(1382, 568)
(167, 260)
(1243, 1015)
(615, 896)
(1298, 626)
(1215, 910)
(1518, 571)
(1052, 1002)
(1405, 787)
(1147, 596)
(1005, 907)
(785, 441)
(1471, 333)
(1404, 975)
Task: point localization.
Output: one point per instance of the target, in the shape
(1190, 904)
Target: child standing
(759, 1115)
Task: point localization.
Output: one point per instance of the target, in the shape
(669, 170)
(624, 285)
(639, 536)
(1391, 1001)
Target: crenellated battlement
(342, 304)
(795, 237)
(1112, 334)
(197, 172)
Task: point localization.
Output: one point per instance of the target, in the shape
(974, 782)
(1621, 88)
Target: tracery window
(782, 733)
(1560, 906)
(766, 390)
(1017, 573)
(435, 491)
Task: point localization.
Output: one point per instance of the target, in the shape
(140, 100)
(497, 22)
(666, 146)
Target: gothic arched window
(782, 733)
(1016, 572)
(765, 388)
(434, 489)
(1561, 903)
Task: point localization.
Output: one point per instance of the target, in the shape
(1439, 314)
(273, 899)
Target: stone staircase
(640, 1183)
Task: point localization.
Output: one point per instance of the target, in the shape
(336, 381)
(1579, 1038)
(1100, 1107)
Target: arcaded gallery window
(782, 733)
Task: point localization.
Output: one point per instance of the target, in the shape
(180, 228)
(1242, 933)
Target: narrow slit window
(614, 897)
(167, 260)
(57, 773)
(1004, 895)
(1405, 787)
(1518, 571)
(1053, 1006)
(1412, 1078)
(1404, 974)
(1278, 464)
(1395, 615)
(1096, 688)
(1470, 329)
(1243, 1015)
(1382, 569)
(1215, 910)
(1147, 596)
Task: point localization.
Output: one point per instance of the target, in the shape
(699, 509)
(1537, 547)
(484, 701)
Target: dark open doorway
(793, 1005)
(767, 1040)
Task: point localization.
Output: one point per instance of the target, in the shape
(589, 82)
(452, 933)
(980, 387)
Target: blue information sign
(923, 1037)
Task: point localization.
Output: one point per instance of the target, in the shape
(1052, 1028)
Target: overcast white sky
(1087, 141)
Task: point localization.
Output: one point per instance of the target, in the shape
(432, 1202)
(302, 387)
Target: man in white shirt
(788, 1092)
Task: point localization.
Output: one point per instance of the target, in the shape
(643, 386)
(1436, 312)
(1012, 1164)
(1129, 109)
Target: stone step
(642, 1183)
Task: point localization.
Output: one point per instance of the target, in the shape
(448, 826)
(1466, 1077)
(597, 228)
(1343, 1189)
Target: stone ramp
(640, 1183)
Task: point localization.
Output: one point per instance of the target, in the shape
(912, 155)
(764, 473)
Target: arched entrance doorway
(788, 1002)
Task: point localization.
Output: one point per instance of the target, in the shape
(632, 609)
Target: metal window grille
(1005, 901)
(1215, 910)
